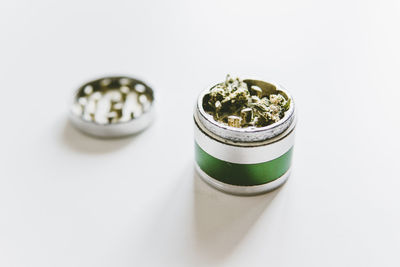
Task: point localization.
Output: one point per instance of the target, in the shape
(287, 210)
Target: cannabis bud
(236, 104)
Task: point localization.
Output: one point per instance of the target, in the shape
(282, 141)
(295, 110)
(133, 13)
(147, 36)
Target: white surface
(70, 200)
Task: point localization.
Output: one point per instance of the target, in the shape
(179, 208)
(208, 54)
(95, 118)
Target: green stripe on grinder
(243, 174)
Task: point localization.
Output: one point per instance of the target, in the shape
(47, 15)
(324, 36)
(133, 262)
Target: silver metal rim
(114, 130)
(119, 129)
(242, 190)
(220, 139)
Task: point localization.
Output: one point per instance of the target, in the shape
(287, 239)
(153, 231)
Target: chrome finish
(242, 190)
(112, 107)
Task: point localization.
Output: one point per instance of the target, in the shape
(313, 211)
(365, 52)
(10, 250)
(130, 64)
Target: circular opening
(267, 89)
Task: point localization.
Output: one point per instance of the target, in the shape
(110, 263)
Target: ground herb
(235, 104)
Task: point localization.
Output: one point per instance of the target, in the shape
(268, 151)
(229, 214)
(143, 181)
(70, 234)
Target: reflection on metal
(113, 107)
(236, 157)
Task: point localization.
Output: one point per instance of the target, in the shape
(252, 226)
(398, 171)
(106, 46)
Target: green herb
(235, 104)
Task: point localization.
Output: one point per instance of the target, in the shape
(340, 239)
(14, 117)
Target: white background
(70, 200)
